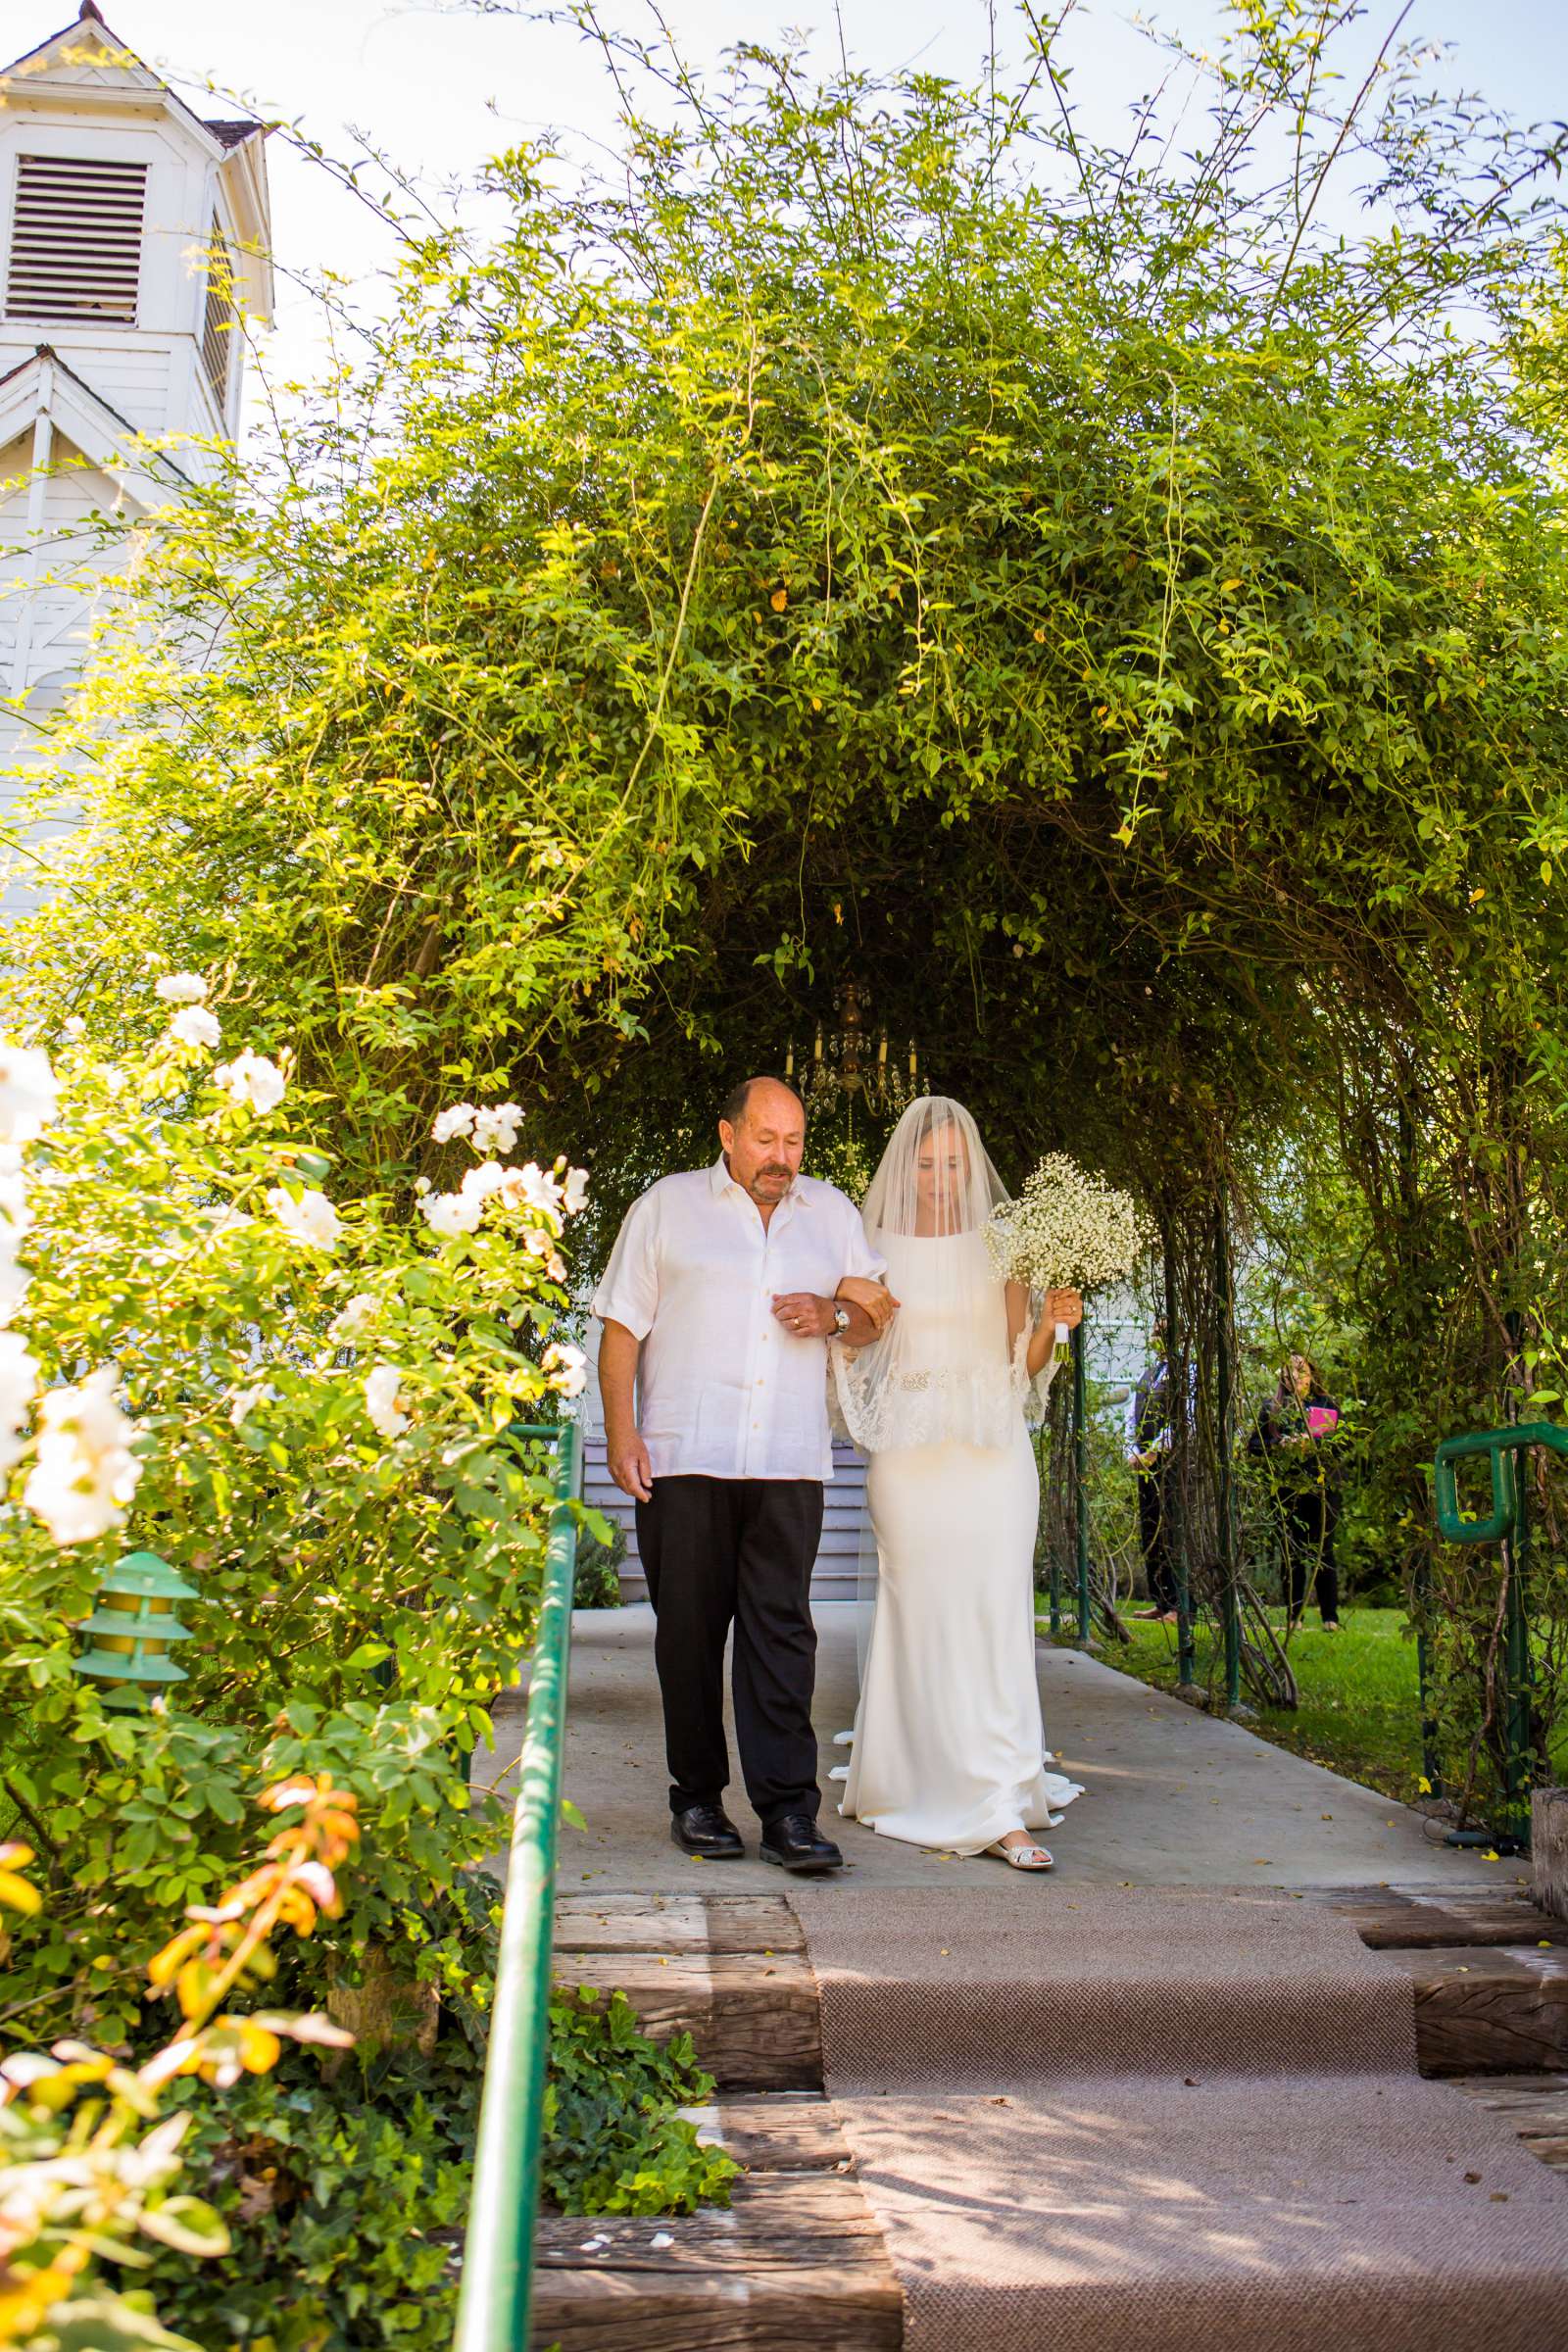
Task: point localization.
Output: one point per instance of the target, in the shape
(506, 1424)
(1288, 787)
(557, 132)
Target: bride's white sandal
(1023, 1857)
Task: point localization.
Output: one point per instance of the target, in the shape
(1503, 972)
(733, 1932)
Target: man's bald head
(763, 1129)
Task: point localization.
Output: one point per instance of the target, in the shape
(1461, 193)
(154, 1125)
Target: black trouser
(723, 1550)
(1154, 1534)
(1309, 1520)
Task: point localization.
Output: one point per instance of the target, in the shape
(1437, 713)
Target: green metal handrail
(1507, 1522)
(493, 2309)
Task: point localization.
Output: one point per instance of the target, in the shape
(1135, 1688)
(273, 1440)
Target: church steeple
(134, 237)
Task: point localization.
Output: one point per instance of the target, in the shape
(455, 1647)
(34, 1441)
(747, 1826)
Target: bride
(949, 1747)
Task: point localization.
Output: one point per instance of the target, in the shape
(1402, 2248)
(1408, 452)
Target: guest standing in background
(1295, 1435)
(1148, 1452)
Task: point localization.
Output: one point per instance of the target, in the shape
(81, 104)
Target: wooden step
(1391, 1920)
(1489, 2008)
(1535, 2105)
(729, 1970)
(732, 1971)
(1487, 1968)
(797, 2260)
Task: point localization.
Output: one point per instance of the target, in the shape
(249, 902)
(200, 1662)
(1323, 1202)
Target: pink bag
(1321, 1418)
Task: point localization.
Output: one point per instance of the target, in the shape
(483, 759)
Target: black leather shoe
(706, 1829)
(796, 1843)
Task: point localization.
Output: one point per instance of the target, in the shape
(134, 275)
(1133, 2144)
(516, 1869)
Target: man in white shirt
(717, 1306)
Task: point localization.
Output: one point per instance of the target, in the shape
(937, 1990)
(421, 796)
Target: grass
(1360, 1709)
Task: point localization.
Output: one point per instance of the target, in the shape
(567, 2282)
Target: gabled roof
(234, 134)
(59, 70)
(87, 31)
(86, 419)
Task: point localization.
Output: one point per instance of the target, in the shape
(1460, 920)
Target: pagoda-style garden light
(132, 1627)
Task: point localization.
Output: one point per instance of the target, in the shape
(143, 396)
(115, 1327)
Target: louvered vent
(218, 318)
(75, 240)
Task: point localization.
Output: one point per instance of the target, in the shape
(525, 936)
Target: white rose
(567, 1369)
(574, 1192)
(495, 1128)
(485, 1177)
(450, 1213)
(75, 1027)
(15, 1217)
(246, 1400)
(195, 1026)
(530, 1184)
(29, 1096)
(251, 1078)
(12, 1287)
(19, 1380)
(80, 1497)
(352, 1319)
(182, 988)
(381, 1400)
(458, 1120)
(84, 1472)
(311, 1218)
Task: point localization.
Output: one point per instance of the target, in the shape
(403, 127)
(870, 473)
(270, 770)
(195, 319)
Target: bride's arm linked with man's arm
(872, 1308)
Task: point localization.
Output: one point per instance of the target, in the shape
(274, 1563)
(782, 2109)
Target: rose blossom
(458, 1120)
(381, 1400)
(251, 1078)
(195, 1026)
(28, 1094)
(311, 1218)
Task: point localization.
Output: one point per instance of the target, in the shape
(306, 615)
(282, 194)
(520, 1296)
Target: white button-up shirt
(724, 1390)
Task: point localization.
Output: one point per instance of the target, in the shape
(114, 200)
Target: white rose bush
(303, 1402)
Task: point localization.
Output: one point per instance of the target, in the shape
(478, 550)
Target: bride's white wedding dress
(948, 1745)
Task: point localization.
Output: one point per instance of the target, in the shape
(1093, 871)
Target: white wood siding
(835, 1576)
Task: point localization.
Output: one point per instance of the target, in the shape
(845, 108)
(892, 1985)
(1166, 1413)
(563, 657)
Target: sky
(440, 91)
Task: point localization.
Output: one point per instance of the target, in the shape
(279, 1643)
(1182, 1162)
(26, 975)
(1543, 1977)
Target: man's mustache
(772, 1167)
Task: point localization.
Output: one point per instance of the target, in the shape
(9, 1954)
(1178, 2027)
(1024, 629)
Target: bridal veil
(945, 1372)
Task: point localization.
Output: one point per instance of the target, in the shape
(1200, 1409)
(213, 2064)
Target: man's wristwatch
(840, 1317)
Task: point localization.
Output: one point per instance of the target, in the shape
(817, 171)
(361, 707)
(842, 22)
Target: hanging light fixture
(846, 1071)
(132, 1627)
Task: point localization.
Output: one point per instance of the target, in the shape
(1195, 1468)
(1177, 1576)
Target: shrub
(88, 2161)
(597, 1584)
(305, 1406)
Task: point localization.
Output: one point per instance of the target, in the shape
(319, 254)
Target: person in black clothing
(1295, 1435)
(1148, 1453)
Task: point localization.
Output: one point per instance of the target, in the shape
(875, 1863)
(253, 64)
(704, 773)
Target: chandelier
(847, 1071)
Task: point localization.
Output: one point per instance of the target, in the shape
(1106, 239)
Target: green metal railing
(1508, 1523)
(493, 2309)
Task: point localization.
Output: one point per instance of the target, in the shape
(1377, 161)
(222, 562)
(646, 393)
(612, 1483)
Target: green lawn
(1359, 1712)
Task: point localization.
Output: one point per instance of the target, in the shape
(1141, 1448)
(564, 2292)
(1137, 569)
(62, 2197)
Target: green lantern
(132, 1627)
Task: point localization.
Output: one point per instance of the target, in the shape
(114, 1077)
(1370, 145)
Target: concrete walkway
(1173, 1798)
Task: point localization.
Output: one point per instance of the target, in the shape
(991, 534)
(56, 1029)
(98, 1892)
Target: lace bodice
(944, 1374)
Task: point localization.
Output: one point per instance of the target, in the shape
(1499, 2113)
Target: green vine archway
(1111, 610)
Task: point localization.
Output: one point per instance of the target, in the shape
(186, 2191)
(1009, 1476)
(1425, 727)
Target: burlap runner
(1129, 2122)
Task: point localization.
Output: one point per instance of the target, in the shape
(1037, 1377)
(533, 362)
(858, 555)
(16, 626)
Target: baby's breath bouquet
(1067, 1230)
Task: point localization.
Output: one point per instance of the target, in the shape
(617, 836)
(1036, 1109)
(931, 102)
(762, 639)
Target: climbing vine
(1088, 591)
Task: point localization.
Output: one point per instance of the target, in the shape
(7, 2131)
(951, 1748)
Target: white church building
(135, 233)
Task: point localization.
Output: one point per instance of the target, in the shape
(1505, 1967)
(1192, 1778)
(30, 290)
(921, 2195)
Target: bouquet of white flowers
(1067, 1230)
